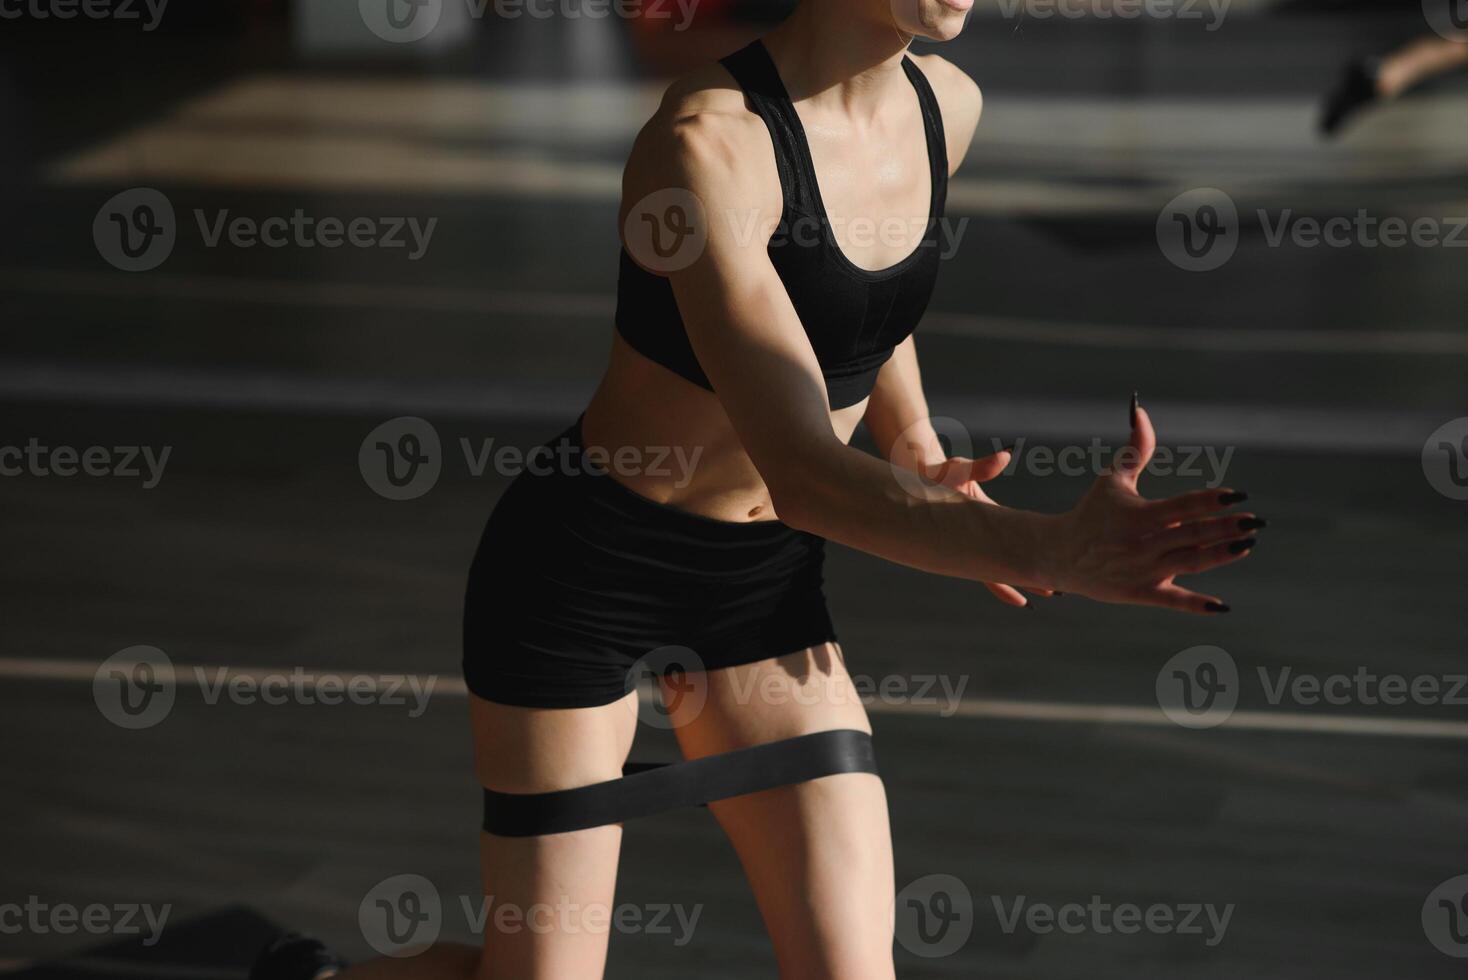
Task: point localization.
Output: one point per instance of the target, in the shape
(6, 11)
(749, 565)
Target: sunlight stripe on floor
(989, 709)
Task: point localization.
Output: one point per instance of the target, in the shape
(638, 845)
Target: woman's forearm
(871, 505)
(906, 439)
(897, 415)
(863, 502)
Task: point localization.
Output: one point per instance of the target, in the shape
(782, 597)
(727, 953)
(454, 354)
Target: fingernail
(1008, 449)
(1216, 607)
(1133, 414)
(1056, 595)
(1239, 547)
(1233, 497)
(1252, 523)
(1030, 606)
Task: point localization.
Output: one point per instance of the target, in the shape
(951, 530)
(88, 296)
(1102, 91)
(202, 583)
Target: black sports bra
(853, 317)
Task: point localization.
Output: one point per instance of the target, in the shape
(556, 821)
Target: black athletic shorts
(579, 584)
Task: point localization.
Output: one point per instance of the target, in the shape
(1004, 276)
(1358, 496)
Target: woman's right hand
(1117, 546)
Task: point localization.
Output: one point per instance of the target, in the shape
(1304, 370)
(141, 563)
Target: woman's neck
(847, 53)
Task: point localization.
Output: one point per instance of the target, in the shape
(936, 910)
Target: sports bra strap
(755, 71)
(933, 127)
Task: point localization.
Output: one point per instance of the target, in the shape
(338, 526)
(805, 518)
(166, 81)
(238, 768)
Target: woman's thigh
(817, 854)
(546, 897)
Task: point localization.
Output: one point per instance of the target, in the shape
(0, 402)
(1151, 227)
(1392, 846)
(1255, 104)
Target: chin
(936, 20)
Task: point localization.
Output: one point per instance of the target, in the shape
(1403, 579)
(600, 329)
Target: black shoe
(296, 957)
(1356, 91)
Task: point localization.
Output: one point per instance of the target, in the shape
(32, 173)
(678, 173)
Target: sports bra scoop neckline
(935, 153)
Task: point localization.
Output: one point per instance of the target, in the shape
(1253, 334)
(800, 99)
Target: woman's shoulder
(703, 135)
(951, 84)
(707, 106)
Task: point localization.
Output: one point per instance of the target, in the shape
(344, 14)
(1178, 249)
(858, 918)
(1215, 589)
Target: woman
(757, 356)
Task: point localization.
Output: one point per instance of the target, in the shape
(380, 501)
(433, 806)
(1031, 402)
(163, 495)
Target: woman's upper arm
(739, 318)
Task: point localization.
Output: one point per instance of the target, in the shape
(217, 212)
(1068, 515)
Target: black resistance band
(646, 790)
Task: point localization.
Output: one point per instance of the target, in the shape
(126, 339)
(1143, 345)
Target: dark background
(1323, 370)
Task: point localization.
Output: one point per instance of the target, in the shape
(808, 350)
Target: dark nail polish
(1252, 523)
(1216, 607)
(1133, 414)
(1234, 497)
(1239, 547)
(1008, 449)
(1030, 606)
(1056, 595)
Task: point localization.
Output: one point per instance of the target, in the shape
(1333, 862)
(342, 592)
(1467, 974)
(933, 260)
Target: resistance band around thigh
(647, 789)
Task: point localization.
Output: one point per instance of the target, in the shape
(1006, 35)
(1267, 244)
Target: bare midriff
(676, 443)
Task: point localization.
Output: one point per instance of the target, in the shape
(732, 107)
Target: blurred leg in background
(1381, 79)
